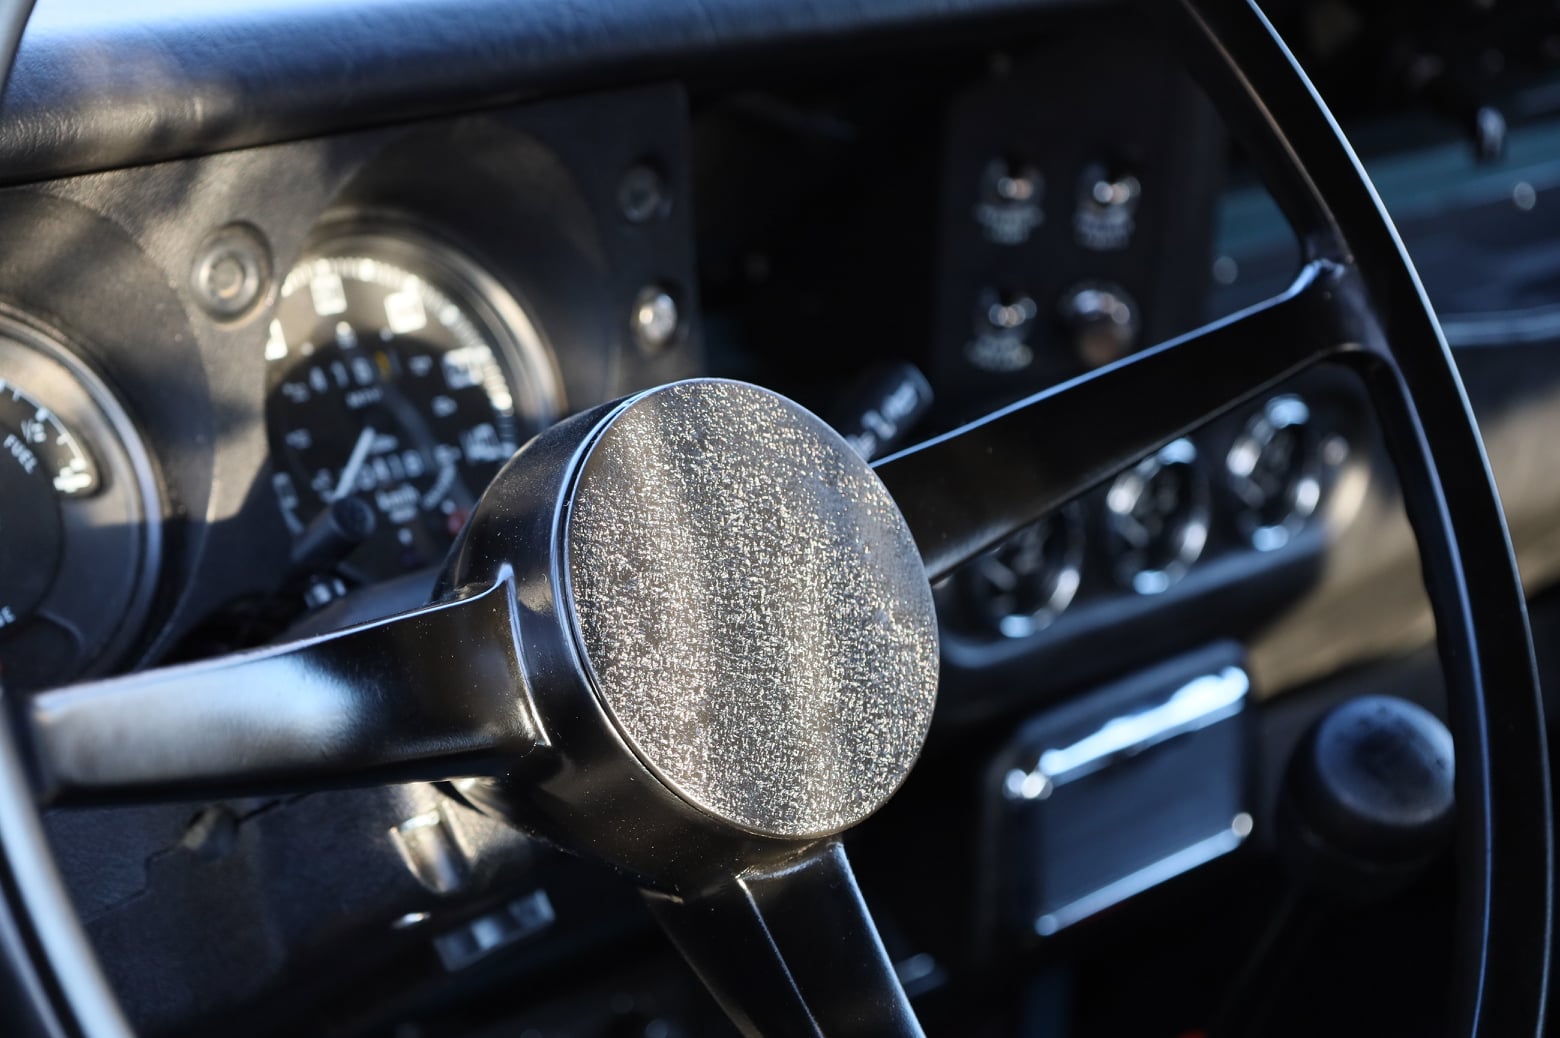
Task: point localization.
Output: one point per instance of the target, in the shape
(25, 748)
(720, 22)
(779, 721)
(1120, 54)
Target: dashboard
(372, 320)
(267, 342)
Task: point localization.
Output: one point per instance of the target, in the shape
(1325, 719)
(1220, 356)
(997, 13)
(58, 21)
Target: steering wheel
(691, 632)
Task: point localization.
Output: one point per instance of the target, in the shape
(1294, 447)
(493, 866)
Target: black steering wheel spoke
(430, 694)
(791, 950)
(964, 491)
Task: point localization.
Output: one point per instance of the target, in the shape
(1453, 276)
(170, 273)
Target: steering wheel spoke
(791, 950)
(431, 694)
(965, 491)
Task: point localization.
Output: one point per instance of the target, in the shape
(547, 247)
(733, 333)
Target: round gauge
(79, 519)
(402, 374)
(1023, 584)
(1156, 515)
(1274, 471)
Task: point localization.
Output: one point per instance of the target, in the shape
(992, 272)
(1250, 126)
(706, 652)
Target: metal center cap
(751, 608)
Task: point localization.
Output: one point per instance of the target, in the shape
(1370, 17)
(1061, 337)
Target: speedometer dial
(401, 374)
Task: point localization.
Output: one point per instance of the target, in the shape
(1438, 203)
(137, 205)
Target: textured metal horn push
(726, 622)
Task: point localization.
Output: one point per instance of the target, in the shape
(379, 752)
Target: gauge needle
(349, 471)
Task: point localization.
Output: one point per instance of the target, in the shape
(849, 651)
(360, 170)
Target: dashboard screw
(213, 833)
(231, 272)
(655, 320)
(642, 194)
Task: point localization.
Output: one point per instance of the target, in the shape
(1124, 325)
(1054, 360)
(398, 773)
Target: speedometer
(402, 374)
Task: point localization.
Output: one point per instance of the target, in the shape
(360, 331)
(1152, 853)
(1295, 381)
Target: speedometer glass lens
(402, 374)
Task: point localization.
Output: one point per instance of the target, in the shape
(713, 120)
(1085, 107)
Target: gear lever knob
(1368, 800)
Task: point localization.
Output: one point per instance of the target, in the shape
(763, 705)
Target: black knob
(1368, 800)
(881, 407)
(332, 535)
(1102, 319)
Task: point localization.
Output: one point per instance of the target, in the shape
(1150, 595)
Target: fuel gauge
(78, 514)
(42, 445)
(41, 460)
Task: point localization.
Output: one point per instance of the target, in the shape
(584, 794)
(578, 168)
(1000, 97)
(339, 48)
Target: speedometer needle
(349, 471)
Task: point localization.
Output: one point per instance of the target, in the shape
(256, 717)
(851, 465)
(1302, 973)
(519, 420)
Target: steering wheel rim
(1364, 293)
(1504, 821)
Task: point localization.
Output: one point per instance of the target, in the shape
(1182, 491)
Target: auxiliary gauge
(79, 515)
(1156, 518)
(1274, 472)
(1021, 586)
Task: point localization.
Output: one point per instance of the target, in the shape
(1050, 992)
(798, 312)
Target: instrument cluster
(1267, 478)
(271, 389)
(400, 374)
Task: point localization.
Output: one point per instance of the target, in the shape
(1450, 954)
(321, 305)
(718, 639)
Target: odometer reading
(393, 381)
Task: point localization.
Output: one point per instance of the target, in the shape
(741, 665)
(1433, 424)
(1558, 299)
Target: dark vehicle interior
(667, 518)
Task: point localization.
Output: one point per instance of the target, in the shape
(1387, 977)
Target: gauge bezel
(87, 406)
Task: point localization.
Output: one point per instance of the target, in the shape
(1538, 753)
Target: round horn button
(751, 607)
